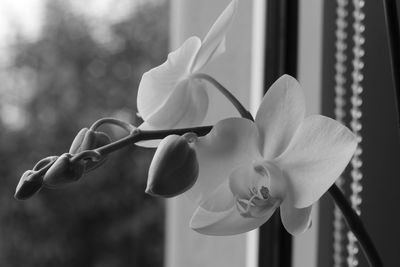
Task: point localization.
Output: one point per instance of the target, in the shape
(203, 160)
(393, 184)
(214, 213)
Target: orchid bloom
(169, 96)
(249, 169)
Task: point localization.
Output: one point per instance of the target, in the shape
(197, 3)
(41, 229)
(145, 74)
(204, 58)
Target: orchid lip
(258, 204)
(259, 200)
(260, 169)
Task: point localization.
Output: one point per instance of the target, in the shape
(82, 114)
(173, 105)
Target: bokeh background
(63, 65)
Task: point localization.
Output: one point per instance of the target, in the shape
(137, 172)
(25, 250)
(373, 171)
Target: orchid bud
(88, 139)
(32, 180)
(28, 185)
(174, 168)
(63, 172)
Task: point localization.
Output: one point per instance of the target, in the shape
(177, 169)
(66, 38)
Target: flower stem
(126, 126)
(357, 227)
(143, 135)
(240, 108)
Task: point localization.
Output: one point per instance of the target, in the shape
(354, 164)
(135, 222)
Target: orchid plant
(239, 171)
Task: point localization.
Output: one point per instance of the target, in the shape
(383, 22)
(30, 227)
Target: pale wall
(186, 248)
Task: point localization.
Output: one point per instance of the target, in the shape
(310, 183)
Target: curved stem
(86, 154)
(142, 135)
(126, 126)
(357, 227)
(240, 108)
(136, 136)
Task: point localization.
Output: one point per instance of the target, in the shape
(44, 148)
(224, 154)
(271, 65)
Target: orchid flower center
(259, 202)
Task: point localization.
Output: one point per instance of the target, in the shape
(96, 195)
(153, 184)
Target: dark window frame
(275, 245)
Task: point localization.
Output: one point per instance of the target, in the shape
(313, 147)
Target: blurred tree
(73, 79)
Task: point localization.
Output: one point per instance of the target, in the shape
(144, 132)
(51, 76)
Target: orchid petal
(231, 142)
(296, 221)
(316, 156)
(214, 42)
(226, 222)
(158, 83)
(244, 179)
(221, 199)
(186, 106)
(279, 115)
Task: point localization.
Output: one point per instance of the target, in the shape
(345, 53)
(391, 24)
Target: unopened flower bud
(63, 172)
(32, 180)
(88, 139)
(174, 168)
(28, 185)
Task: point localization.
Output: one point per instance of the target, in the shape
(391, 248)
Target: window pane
(65, 64)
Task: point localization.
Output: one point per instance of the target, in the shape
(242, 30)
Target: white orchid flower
(247, 170)
(169, 96)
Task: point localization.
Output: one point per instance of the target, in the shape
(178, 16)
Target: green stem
(126, 126)
(240, 108)
(94, 155)
(357, 227)
(136, 136)
(143, 135)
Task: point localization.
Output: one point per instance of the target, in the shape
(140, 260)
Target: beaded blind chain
(340, 114)
(355, 124)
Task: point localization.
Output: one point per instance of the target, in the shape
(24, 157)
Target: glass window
(65, 64)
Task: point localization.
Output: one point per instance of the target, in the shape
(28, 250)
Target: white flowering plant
(239, 171)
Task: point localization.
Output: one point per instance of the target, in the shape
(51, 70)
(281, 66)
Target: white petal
(296, 221)
(158, 83)
(317, 155)
(186, 106)
(244, 178)
(214, 42)
(231, 142)
(281, 112)
(197, 103)
(228, 222)
(221, 199)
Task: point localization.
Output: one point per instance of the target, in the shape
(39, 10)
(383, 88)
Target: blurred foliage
(105, 219)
